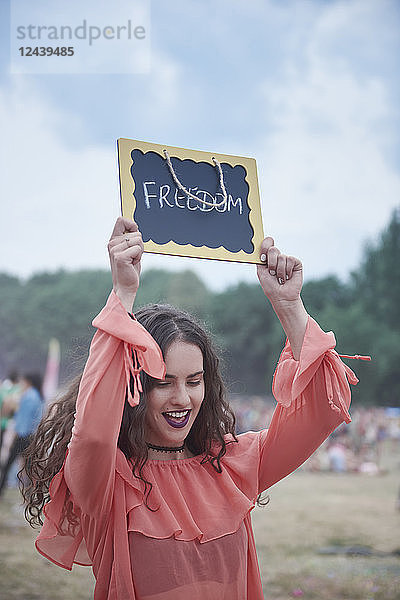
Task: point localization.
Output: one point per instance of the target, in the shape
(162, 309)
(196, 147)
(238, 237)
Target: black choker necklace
(166, 448)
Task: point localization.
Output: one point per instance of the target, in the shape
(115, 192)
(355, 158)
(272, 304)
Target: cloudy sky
(309, 88)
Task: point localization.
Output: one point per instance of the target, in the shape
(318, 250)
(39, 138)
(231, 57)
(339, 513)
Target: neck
(166, 448)
(167, 452)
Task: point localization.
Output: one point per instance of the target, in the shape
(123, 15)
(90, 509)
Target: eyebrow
(167, 375)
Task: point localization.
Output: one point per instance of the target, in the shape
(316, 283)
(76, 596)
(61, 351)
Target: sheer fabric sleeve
(121, 347)
(313, 396)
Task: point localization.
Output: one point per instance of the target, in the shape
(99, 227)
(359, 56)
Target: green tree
(377, 281)
(183, 289)
(249, 335)
(322, 292)
(11, 300)
(376, 285)
(48, 305)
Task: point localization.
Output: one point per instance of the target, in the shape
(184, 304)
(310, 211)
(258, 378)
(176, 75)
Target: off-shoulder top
(199, 543)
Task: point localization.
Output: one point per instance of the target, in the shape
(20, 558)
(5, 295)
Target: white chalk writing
(163, 195)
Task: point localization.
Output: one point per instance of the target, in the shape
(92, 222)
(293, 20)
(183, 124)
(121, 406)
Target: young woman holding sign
(149, 483)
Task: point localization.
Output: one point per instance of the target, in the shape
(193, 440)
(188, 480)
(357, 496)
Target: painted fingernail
(272, 272)
(281, 281)
(287, 277)
(263, 257)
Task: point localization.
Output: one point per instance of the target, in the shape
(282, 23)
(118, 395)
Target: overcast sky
(308, 88)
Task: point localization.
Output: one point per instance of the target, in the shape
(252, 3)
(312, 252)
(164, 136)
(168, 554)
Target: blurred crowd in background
(352, 448)
(355, 447)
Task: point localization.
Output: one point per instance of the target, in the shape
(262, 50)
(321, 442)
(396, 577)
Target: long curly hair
(45, 455)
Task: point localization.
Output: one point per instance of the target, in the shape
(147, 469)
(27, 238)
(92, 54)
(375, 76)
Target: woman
(155, 490)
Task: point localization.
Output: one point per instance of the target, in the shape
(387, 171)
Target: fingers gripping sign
(125, 249)
(280, 276)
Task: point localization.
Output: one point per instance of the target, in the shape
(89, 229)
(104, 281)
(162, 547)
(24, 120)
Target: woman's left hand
(280, 276)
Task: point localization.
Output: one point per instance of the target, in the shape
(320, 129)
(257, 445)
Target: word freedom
(81, 32)
(164, 196)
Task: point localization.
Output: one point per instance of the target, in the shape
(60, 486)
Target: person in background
(9, 397)
(26, 420)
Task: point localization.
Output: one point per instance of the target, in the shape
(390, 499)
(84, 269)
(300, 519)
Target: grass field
(307, 511)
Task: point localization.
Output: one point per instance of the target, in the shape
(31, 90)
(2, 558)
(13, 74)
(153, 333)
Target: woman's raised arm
(125, 249)
(120, 349)
(281, 278)
(311, 384)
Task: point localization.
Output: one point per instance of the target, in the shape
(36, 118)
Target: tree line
(363, 312)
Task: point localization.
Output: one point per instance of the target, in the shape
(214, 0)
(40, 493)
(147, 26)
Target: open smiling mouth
(177, 418)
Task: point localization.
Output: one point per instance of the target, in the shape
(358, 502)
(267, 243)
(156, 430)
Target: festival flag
(51, 375)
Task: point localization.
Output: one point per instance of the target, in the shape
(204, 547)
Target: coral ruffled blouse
(199, 544)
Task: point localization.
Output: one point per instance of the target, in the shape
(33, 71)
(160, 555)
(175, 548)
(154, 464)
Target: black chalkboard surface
(191, 203)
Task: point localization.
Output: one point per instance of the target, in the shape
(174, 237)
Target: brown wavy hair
(46, 453)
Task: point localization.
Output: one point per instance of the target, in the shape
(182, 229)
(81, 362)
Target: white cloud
(324, 147)
(60, 199)
(327, 181)
(59, 204)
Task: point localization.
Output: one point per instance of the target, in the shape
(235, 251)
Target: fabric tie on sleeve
(132, 367)
(141, 351)
(292, 377)
(331, 368)
(355, 356)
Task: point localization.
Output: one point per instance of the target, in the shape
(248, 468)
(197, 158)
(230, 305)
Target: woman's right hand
(125, 249)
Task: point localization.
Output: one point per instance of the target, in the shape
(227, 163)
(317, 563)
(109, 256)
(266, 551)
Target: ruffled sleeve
(121, 347)
(313, 396)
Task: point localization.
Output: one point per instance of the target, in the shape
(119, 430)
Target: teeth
(177, 414)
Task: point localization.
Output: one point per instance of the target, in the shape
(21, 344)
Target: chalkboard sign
(191, 203)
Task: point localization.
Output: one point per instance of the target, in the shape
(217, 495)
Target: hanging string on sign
(188, 193)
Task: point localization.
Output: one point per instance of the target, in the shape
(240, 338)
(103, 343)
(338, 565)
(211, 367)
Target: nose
(181, 396)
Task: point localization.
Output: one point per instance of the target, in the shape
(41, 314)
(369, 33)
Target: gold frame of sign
(128, 200)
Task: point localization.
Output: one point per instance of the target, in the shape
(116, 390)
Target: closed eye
(162, 383)
(195, 382)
